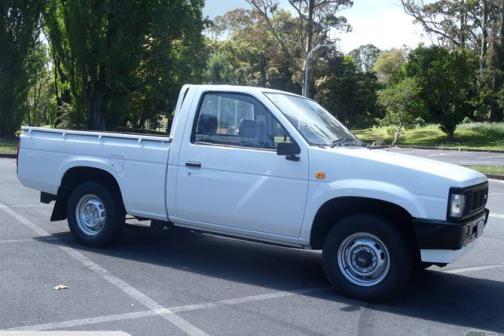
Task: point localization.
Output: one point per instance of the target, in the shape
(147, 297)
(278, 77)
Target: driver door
(231, 177)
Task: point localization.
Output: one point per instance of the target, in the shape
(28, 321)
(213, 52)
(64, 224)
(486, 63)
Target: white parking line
(85, 321)
(30, 240)
(472, 269)
(65, 333)
(12, 241)
(176, 309)
(490, 157)
(27, 206)
(153, 306)
(496, 215)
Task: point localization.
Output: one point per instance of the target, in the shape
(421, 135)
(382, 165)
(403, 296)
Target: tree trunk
(309, 42)
(396, 136)
(463, 24)
(309, 39)
(493, 110)
(484, 38)
(264, 71)
(450, 132)
(498, 112)
(95, 116)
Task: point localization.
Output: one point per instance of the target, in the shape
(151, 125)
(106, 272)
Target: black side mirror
(289, 149)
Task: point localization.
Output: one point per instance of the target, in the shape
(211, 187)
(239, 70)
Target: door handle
(193, 164)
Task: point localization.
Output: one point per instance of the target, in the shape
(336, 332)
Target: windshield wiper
(346, 142)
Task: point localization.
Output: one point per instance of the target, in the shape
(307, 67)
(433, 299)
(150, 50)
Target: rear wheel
(367, 258)
(95, 214)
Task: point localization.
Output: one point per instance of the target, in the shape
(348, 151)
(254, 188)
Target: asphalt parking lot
(183, 283)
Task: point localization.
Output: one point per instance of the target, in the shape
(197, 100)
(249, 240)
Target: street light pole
(306, 84)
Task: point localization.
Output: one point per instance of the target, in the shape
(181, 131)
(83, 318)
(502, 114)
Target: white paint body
(243, 192)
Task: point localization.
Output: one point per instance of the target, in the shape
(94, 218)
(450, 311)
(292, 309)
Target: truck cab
(269, 166)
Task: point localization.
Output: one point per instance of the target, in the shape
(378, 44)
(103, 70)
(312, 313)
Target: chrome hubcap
(90, 214)
(363, 259)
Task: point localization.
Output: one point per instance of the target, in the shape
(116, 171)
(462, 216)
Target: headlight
(457, 203)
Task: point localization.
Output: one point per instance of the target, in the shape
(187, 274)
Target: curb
(8, 156)
(495, 177)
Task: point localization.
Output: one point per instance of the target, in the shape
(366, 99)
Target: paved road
(456, 157)
(184, 283)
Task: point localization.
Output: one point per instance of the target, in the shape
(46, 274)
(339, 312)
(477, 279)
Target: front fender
(320, 193)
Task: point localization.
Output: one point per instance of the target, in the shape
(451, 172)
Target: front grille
(475, 199)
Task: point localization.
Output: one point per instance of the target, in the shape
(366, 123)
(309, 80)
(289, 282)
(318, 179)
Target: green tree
(365, 56)
(250, 54)
(312, 22)
(41, 103)
(388, 65)
(402, 104)
(474, 24)
(124, 60)
(347, 92)
(452, 22)
(447, 83)
(221, 69)
(19, 31)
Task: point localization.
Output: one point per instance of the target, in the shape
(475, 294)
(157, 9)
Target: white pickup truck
(267, 166)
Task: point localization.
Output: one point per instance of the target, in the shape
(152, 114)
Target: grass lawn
(494, 170)
(467, 136)
(8, 146)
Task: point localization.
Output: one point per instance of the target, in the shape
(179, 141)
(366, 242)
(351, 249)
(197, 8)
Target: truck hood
(400, 169)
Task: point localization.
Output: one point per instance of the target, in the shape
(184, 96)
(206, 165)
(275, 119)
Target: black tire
(114, 219)
(400, 259)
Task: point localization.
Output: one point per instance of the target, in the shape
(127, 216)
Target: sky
(379, 22)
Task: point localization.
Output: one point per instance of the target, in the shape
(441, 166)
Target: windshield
(314, 123)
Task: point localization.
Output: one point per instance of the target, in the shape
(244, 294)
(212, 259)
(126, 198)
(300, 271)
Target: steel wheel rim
(90, 214)
(363, 259)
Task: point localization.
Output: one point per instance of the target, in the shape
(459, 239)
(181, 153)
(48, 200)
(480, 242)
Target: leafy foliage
(477, 25)
(402, 104)
(107, 64)
(41, 102)
(251, 54)
(311, 25)
(365, 56)
(122, 61)
(347, 92)
(389, 64)
(19, 30)
(447, 83)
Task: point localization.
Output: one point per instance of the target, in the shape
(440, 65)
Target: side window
(237, 120)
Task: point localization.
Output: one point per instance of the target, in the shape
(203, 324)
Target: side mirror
(289, 149)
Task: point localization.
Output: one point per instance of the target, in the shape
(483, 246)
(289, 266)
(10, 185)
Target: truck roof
(239, 88)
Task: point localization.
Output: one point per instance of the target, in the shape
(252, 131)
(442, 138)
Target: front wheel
(95, 214)
(367, 258)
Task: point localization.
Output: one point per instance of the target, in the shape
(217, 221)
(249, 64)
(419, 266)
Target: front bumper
(444, 242)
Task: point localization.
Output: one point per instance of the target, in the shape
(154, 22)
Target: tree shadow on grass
(424, 137)
(436, 296)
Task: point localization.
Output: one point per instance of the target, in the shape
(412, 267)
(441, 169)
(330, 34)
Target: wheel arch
(334, 210)
(75, 176)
